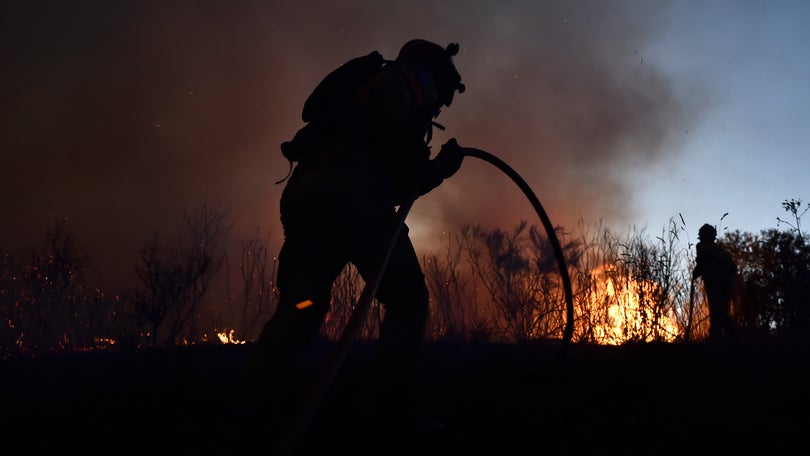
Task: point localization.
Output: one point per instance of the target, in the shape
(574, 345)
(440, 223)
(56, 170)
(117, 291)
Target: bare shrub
(257, 298)
(174, 277)
(45, 303)
(629, 287)
(592, 302)
(455, 310)
(549, 305)
(513, 269)
(658, 274)
(346, 290)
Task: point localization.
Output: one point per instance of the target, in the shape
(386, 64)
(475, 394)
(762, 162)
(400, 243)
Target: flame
(618, 314)
(226, 337)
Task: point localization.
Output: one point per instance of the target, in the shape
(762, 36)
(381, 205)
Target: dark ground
(493, 399)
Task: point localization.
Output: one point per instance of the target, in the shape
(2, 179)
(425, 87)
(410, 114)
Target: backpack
(324, 106)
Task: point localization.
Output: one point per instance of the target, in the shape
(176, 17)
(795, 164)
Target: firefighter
(717, 268)
(338, 203)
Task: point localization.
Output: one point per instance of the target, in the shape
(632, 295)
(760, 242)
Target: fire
(226, 337)
(621, 309)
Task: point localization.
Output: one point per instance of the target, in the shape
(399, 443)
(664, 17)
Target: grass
(632, 399)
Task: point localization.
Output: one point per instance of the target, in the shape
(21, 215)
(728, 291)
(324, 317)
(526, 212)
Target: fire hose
(568, 331)
(300, 422)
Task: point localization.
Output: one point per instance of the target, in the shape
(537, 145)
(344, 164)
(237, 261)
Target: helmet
(440, 62)
(707, 233)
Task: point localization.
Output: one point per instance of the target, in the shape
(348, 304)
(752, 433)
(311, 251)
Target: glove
(449, 159)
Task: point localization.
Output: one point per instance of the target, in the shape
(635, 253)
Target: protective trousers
(309, 263)
(720, 323)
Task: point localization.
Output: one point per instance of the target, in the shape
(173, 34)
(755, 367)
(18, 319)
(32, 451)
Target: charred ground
(492, 399)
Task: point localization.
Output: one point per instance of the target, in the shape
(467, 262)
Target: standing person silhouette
(717, 268)
(338, 203)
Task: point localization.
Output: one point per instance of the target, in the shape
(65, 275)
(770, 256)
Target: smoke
(561, 92)
(123, 114)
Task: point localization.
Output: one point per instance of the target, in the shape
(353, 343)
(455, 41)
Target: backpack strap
(284, 145)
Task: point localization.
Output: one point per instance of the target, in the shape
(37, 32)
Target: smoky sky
(121, 115)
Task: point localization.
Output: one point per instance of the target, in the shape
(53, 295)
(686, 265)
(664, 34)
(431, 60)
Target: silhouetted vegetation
(46, 304)
(174, 278)
(486, 283)
(256, 301)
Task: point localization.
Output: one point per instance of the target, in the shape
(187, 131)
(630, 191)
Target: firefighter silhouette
(716, 266)
(336, 207)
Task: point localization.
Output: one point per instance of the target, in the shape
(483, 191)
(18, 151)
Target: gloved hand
(449, 159)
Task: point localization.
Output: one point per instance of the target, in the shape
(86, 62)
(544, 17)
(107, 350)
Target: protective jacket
(369, 161)
(715, 265)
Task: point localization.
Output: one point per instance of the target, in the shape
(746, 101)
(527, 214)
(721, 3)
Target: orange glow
(618, 314)
(304, 304)
(226, 337)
